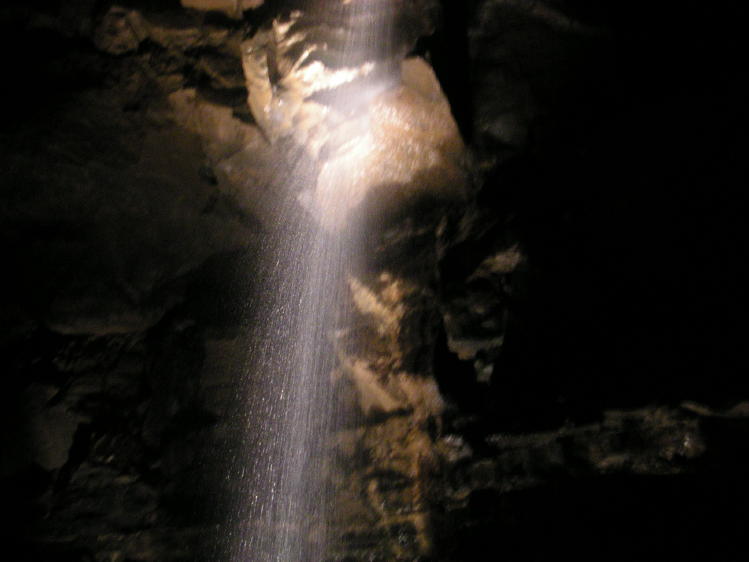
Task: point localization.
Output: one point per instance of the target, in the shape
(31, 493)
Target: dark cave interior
(607, 145)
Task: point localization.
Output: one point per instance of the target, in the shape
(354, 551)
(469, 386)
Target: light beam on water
(282, 506)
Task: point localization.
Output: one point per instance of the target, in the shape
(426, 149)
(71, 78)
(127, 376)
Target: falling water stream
(288, 406)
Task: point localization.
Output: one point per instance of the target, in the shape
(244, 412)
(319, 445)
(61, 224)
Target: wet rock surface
(551, 366)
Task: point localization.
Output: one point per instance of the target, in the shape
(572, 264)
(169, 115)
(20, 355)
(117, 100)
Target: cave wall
(596, 285)
(572, 332)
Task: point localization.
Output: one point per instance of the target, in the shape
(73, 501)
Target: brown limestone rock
(381, 131)
(233, 8)
(409, 149)
(120, 31)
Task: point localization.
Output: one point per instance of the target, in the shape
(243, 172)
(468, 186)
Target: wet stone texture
(549, 364)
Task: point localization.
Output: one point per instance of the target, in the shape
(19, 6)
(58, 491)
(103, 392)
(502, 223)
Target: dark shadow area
(628, 202)
(606, 518)
(626, 195)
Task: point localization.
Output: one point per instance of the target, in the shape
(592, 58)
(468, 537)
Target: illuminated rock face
(381, 132)
(380, 138)
(385, 462)
(409, 149)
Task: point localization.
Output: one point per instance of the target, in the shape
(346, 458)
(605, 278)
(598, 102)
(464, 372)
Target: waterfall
(288, 407)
